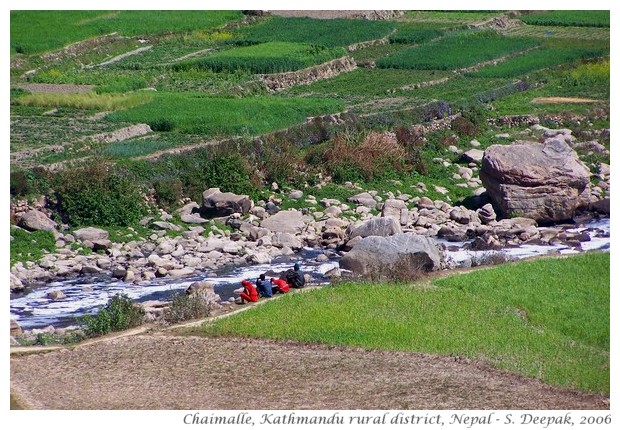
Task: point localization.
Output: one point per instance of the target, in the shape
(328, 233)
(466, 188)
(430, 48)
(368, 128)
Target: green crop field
(40, 31)
(324, 32)
(569, 18)
(414, 33)
(536, 60)
(527, 317)
(199, 114)
(270, 57)
(368, 82)
(456, 51)
(449, 18)
(555, 32)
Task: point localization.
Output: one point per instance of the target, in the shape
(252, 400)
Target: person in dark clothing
(280, 286)
(264, 286)
(249, 294)
(295, 277)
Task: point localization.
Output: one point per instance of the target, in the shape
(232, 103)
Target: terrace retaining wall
(281, 81)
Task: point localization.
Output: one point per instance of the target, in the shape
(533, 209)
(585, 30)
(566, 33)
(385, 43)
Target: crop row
(456, 51)
(557, 32)
(413, 34)
(324, 32)
(535, 60)
(368, 82)
(570, 18)
(270, 57)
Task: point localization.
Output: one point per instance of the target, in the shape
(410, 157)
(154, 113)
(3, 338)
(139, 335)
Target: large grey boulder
(91, 233)
(218, 204)
(285, 222)
(36, 220)
(543, 181)
(383, 257)
(377, 227)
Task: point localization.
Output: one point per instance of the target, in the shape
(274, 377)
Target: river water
(85, 295)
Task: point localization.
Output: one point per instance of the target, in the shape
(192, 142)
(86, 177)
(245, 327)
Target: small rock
(56, 295)
(296, 195)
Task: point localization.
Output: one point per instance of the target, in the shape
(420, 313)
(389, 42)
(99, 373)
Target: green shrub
(168, 193)
(119, 314)
(98, 194)
(185, 307)
(472, 122)
(24, 183)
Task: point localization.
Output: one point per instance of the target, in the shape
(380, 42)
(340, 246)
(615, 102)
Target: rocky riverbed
(546, 199)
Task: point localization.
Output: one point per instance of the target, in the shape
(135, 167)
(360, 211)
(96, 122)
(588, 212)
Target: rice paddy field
(199, 72)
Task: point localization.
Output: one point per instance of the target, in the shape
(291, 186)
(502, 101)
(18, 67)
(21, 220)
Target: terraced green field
(196, 113)
(456, 51)
(40, 31)
(570, 18)
(201, 70)
(324, 32)
(269, 57)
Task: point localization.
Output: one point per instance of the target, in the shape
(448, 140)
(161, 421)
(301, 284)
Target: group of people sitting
(293, 278)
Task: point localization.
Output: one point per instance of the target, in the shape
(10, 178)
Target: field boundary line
(121, 57)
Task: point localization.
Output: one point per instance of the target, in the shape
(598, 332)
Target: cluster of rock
(533, 182)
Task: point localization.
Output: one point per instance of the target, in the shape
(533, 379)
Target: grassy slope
(547, 318)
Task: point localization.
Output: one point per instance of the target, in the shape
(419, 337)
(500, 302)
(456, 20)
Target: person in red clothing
(249, 294)
(280, 286)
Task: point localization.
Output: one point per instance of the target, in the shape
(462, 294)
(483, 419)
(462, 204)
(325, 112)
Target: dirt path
(158, 371)
(564, 100)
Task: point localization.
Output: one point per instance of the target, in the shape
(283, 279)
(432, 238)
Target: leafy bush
(29, 181)
(168, 193)
(98, 194)
(279, 161)
(185, 307)
(364, 157)
(472, 122)
(119, 314)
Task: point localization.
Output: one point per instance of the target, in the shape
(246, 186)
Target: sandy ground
(162, 371)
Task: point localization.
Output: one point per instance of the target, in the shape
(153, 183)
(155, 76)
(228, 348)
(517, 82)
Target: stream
(85, 295)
